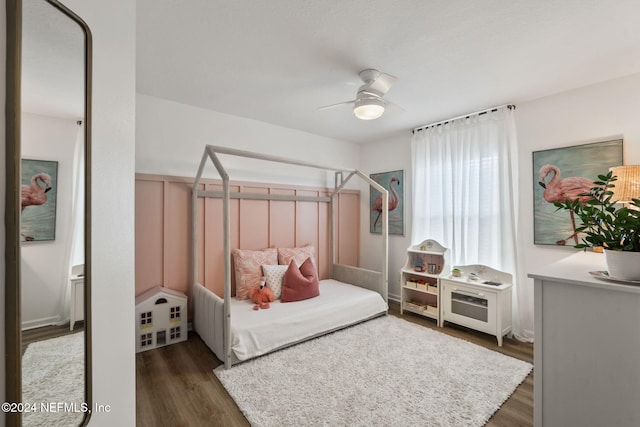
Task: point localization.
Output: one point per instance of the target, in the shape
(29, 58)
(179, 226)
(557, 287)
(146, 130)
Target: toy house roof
(157, 292)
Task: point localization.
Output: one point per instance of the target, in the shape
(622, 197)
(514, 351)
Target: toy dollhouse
(161, 316)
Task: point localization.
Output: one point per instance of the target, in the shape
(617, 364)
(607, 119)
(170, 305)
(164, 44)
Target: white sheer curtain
(78, 220)
(75, 248)
(465, 180)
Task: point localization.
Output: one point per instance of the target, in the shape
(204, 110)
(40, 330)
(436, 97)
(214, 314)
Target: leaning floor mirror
(47, 215)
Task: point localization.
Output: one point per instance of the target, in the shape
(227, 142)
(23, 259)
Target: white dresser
(587, 346)
(76, 296)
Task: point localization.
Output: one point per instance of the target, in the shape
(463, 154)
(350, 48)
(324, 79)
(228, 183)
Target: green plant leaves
(603, 222)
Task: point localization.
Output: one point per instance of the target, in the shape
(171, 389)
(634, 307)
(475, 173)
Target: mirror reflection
(52, 214)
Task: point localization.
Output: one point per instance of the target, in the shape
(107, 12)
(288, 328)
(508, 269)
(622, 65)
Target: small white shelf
(426, 291)
(419, 273)
(425, 263)
(428, 311)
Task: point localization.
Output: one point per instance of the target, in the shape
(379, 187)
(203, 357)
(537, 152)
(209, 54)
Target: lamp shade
(627, 187)
(368, 108)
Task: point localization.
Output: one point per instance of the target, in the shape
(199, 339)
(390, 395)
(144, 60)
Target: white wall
(589, 114)
(595, 113)
(600, 112)
(170, 139)
(45, 265)
(112, 24)
(385, 156)
(113, 27)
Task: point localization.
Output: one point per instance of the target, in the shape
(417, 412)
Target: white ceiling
(52, 77)
(277, 61)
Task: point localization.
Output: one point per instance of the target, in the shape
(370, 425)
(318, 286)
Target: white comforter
(255, 333)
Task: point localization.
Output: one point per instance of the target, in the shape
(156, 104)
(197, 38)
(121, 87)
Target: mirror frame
(13, 111)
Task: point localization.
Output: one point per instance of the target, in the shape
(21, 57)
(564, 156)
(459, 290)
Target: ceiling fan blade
(326, 107)
(394, 105)
(383, 83)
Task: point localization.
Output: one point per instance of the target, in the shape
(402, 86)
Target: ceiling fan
(369, 103)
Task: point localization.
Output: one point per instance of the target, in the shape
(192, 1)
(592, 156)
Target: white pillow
(274, 275)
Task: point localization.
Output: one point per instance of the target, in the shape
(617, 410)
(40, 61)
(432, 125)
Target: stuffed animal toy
(262, 295)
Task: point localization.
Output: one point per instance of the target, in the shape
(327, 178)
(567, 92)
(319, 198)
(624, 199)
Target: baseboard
(39, 323)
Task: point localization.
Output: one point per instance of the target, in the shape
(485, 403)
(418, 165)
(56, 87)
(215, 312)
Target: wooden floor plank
(48, 332)
(175, 385)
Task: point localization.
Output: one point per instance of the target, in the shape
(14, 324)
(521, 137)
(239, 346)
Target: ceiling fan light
(368, 108)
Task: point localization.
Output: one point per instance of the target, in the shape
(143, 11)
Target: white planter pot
(623, 265)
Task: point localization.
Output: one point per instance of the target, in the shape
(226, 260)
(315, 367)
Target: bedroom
(140, 138)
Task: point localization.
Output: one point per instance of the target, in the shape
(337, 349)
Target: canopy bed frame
(212, 317)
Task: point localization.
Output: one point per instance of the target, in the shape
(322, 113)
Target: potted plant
(612, 226)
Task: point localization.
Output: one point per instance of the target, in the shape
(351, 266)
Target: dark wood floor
(175, 385)
(47, 332)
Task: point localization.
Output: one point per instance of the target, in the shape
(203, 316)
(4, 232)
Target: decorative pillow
(300, 254)
(274, 275)
(300, 283)
(247, 268)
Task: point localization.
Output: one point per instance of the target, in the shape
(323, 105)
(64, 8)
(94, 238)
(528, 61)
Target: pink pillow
(247, 267)
(300, 282)
(299, 255)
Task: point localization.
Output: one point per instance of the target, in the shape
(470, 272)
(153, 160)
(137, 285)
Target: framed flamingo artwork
(394, 183)
(567, 173)
(39, 184)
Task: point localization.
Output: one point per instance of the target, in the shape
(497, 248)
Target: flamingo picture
(393, 200)
(35, 194)
(562, 189)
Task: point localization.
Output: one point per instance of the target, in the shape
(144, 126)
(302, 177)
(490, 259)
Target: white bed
(255, 333)
(233, 330)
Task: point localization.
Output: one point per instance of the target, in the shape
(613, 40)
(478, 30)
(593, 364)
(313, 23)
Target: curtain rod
(464, 116)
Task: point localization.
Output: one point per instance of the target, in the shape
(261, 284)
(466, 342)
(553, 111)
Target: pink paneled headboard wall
(163, 229)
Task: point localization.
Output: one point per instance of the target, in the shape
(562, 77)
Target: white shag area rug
(384, 372)
(53, 375)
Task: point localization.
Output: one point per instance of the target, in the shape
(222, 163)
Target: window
(175, 313)
(174, 333)
(464, 192)
(463, 195)
(146, 319)
(146, 340)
